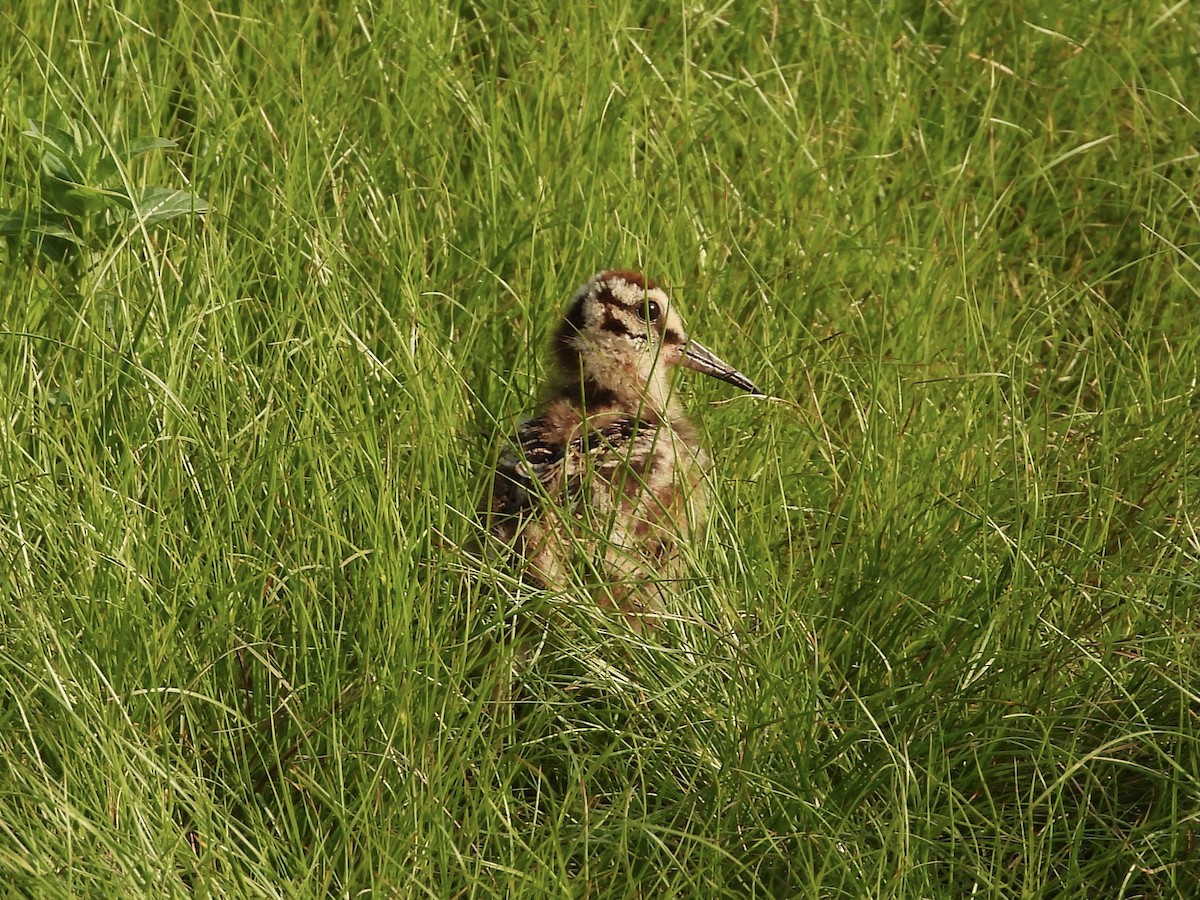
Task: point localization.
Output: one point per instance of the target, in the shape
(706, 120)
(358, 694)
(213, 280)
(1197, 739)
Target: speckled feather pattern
(609, 481)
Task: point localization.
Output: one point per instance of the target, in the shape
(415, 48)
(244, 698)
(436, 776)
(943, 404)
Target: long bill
(701, 359)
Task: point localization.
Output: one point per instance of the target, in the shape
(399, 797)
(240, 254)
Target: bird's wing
(534, 467)
(528, 468)
(622, 443)
(607, 462)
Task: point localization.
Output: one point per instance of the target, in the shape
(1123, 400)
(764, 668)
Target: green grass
(240, 652)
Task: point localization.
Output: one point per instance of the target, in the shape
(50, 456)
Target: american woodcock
(607, 484)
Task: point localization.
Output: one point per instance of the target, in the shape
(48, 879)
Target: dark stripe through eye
(613, 325)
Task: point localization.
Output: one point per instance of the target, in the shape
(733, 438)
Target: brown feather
(610, 476)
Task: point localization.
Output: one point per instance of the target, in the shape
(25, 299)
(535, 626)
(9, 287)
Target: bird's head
(620, 339)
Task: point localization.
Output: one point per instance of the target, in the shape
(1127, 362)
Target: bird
(607, 483)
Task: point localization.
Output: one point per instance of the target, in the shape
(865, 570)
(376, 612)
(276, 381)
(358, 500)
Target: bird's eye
(653, 311)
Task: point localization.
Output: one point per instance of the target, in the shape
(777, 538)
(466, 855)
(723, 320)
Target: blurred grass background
(240, 652)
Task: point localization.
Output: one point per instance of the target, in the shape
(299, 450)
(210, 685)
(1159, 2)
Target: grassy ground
(954, 575)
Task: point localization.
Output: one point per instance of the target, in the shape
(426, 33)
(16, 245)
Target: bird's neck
(649, 400)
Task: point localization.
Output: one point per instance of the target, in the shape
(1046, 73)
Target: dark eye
(652, 311)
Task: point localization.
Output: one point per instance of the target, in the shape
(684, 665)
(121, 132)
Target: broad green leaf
(64, 142)
(88, 159)
(68, 156)
(43, 221)
(13, 221)
(158, 204)
(109, 166)
(49, 229)
(55, 166)
(78, 199)
(137, 146)
(63, 168)
(79, 131)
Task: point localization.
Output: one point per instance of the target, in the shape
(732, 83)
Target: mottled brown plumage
(608, 482)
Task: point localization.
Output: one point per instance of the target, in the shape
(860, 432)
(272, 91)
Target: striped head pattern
(620, 339)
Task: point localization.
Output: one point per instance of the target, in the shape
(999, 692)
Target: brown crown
(631, 276)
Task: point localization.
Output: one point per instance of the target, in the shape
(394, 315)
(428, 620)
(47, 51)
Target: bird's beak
(700, 358)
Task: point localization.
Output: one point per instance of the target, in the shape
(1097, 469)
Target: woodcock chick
(607, 483)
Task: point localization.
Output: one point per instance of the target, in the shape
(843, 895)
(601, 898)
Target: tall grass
(943, 636)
